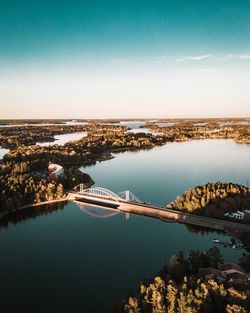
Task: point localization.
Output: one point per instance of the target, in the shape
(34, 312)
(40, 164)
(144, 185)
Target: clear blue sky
(124, 58)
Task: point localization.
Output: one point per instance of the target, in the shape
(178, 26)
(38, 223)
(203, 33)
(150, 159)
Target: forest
(179, 288)
(215, 199)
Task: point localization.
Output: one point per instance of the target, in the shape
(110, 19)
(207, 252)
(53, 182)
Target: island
(198, 282)
(220, 200)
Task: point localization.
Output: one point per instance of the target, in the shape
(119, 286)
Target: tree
(244, 262)
(215, 257)
(172, 297)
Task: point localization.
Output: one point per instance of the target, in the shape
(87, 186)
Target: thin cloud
(195, 58)
(165, 59)
(226, 57)
(244, 57)
(200, 70)
(241, 57)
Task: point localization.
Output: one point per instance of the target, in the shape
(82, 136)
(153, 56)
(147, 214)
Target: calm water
(199, 124)
(81, 260)
(59, 140)
(163, 124)
(3, 152)
(244, 123)
(69, 123)
(64, 138)
(159, 175)
(75, 122)
(135, 126)
(130, 124)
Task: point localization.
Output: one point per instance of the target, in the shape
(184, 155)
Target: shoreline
(107, 155)
(31, 205)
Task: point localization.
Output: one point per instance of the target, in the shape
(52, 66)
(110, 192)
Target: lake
(160, 174)
(64, 138)
(134, 126)
(83, 259)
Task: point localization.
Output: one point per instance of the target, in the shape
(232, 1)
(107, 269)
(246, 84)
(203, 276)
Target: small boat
(216, 240)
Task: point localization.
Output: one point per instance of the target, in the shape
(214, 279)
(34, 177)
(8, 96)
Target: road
(163, 213)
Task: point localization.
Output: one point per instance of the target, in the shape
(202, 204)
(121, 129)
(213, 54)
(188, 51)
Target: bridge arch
(104, 193)
(99, 192)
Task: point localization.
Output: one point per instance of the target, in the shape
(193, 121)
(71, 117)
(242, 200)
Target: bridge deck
(164, 214)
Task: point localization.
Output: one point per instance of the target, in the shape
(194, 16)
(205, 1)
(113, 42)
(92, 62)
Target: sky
(124, 59)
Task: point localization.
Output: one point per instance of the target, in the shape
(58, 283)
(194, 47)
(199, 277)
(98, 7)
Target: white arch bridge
(102, 194)
(128, 203)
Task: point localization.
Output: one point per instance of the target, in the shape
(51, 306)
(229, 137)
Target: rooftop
(232, 266)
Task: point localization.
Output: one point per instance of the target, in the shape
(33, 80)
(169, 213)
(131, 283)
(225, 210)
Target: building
(56, 171)
(237, 215)
(228, 271)
(229, 268)
(210, 272)
(237, 277)
(234, 272)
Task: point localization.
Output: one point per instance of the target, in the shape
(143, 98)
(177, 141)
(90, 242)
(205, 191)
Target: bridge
(91, 199)
(102, 196)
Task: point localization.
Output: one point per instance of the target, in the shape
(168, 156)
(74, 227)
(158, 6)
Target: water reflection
(134, 126)
(96, 211)
(3, 152)
(140, 130)
(29, 213)
(166, 124)
(64, 138)
(199, 124)
(130, 124)
(75, 122)
(159, 175)
(68, 123)
(242, 123)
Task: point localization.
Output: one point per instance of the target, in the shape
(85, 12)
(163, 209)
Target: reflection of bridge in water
(96, 211)
(127, 202)
(100, 202)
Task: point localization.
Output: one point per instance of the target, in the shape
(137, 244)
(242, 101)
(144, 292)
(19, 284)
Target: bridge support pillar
(81, 187)
(127, 195)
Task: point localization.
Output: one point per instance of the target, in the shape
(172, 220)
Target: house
(228, 268)
(237, 277)
(210, 272)
(228, 271)
(56, 171)
(237, 215)
(234, 272)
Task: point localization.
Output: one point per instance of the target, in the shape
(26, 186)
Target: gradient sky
(108, 59)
